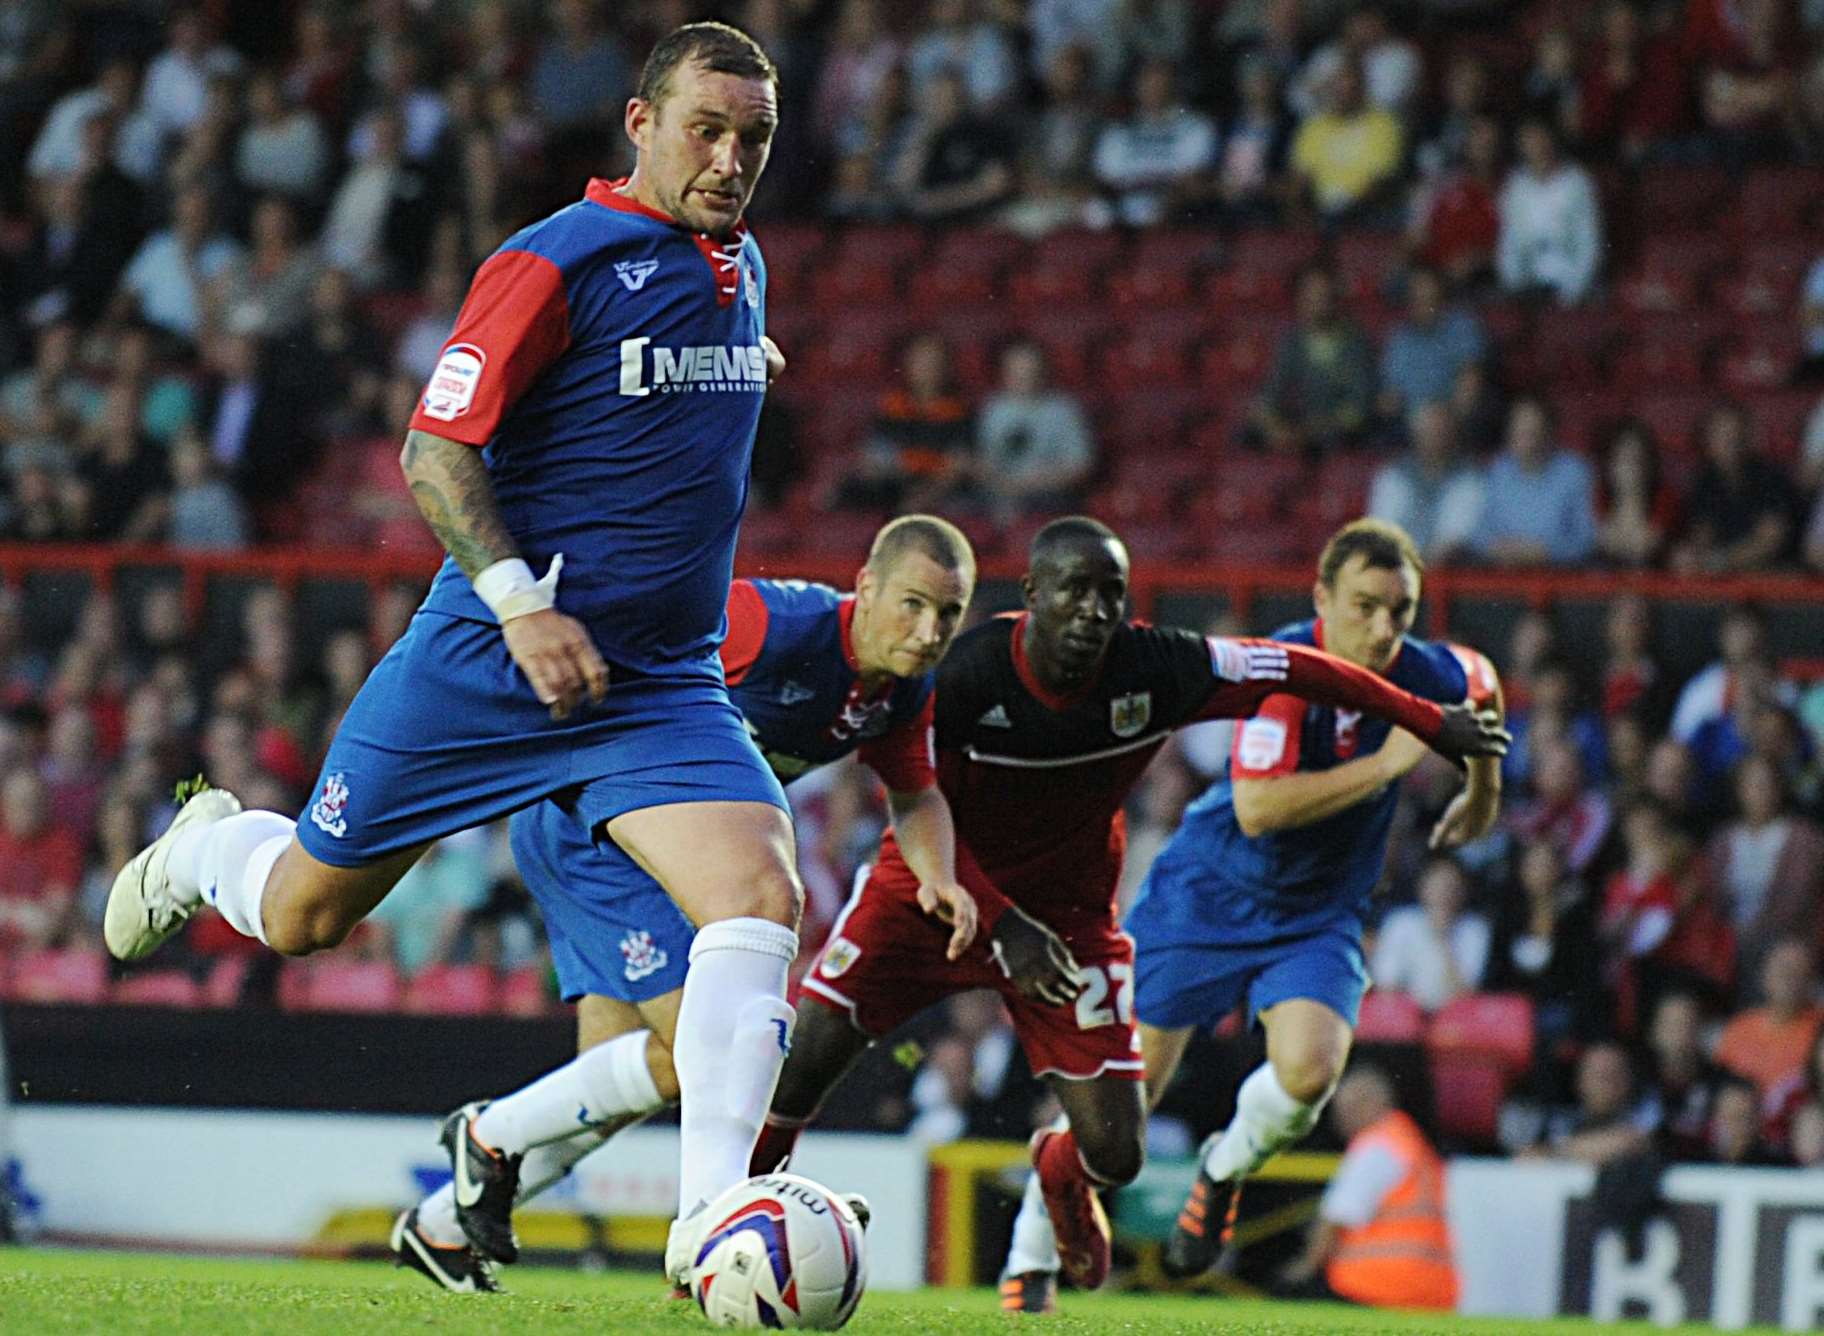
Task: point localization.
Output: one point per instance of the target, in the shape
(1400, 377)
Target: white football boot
(143, 910)
(681, 1251)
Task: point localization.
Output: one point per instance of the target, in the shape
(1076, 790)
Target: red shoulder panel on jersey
(904, 756)
(513, 324)
(1484, 685)
(747, 620)
(1267, 744)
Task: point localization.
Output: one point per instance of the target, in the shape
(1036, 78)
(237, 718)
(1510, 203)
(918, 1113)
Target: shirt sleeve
(1361, 1184)
(514, 323)
(903, 756)
(1245, 672)
(1268, 744)
(1484, 685)
(747, 621)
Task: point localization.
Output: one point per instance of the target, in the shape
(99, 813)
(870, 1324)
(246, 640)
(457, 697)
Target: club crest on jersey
(750, 283)
(642, 954)
(634, 273)
(451, 392)
(329, 813)
(837, 958)
(1348, 733)
(1128, 715)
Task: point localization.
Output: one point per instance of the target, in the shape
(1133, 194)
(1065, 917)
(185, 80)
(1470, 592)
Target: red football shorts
(884, 963)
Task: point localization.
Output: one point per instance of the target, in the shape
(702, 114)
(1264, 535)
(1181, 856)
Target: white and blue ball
(780, 1252)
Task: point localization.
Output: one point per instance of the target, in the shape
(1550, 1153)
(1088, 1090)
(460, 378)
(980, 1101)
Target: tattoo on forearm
(450, 485)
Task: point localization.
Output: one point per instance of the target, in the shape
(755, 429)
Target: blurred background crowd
(1544, 283)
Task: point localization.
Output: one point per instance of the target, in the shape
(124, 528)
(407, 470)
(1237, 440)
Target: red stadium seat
(227, 977)
(1051, 279)
(1673, 414)
(523, 992)
(331, 984)
(1758, 362)
(452, 990)
(894, 245)
(860, 282)
(1274, 252)
(1780, 416)
(1466, 1092)
(1668, 199)
(158, 988)
(1390, 1018)
(1367, 263)
(74, 975)
(1778, 201)
(1148, 285)
(1492, 1026)
(1651, 363)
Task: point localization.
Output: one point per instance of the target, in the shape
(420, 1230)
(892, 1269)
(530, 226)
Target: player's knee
(775, 895)
(1310, 1074)
(1114, 1160)
(302, 927)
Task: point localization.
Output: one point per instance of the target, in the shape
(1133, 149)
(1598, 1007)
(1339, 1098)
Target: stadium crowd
(1542, 285)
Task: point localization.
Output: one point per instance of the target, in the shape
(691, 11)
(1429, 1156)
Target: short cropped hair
(1069, 529)
(1383, 546)
(717, 47)
(928, 535)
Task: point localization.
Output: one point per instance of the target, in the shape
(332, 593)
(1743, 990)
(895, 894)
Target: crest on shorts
(642, 954)
(329, 813)
(840, 954)
(1128, 715)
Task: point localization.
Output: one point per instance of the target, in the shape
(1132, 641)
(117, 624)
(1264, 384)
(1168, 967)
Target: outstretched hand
(1471, 732)
(1035, 959)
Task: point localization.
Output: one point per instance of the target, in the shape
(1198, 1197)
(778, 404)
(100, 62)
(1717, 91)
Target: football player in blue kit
(818, 676)
(1260, 895)
(593, 411)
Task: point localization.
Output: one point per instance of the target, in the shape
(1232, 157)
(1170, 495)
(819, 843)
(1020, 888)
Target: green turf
(46, 1291)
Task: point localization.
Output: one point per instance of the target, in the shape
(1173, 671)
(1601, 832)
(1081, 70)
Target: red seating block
(1758, 362)
(1496, 1026)
(74, 975)
(523, 992)
(158, 988)
(1389, 1018)
(1051, 279)
(331, 984)
(1680, 198)
(452, 990)
(1778, 201)
(1466, 1093)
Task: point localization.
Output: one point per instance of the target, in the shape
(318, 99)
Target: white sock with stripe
(227, 863)
(1266, 1119)
(607, 1081)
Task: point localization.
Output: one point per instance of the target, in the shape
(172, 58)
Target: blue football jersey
(610, 362)
(1213, 884)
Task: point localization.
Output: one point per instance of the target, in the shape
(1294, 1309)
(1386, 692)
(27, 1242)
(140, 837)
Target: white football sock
(734, 1028)
(543, 1166)
(600, 1083)
(1035, 1243)
(227, 863)
(1266, 1118)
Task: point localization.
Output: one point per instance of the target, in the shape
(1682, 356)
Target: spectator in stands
(1545, 945)
(1747, 83)
(420, 346)
(422, 918)
(1444, 146)
(1381, 1237)
(1392, 69)
(1155, 30)
(580, 77)
(1629, 741)
(1427, 351)
(1320, 389)
(1743, 509)
(1159, 157)
(40, 864)
(1564, 807)
(124, 481)
(266, 291)
(1792, 1105)
(1637, 508)
(379, 216)
(1633, 91)
(23, 668)
(345, 353)
(1068, 124)
(1540, 498)
(1610, 1120)
(1455, 222)
(956, 39)
(1435, 950)
(861, 53)
(72, 261)
(1430, 491)
(282, 150)
(1735, 1128)
(1033, 445)
(205, 513)
(973, 1083)
(119, 833)
(43, 406)
(1661, 924)
(1550, 87)
(132, 138)
(1632, 682)
(1345, 157)
(73, 770)
(1743, 663)
(1682, 1083)
(956, 164)
(1551, 221)
(1769, 863)
(255, 417)
(918, 452)
(1671, 781)
(1254, 145)
(1767, 1043)
(167, 398)
(870, 150)
(169, 279)
(1092, 26)
(176, 90)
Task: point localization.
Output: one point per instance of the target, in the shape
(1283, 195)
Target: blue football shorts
(1197, 984)
(447, 734)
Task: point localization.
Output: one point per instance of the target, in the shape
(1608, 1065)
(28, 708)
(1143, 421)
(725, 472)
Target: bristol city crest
(1129, 715)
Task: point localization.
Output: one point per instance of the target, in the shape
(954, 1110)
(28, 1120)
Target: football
(779, 1251)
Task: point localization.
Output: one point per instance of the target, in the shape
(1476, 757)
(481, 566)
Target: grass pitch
(52, 1291)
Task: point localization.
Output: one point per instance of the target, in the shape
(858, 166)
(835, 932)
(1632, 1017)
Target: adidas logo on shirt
(995, 718)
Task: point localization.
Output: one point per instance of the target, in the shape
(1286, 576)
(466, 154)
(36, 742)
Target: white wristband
(509, 590)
